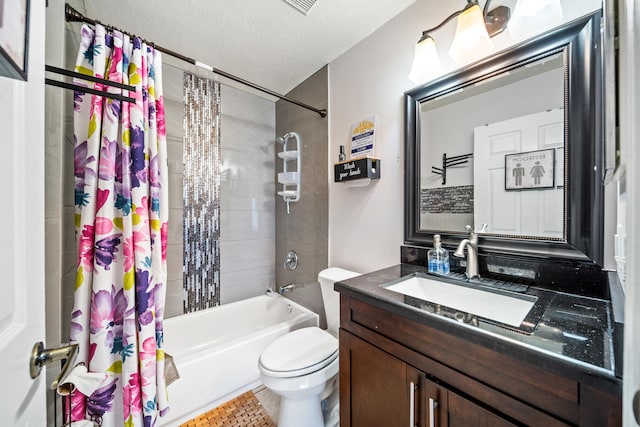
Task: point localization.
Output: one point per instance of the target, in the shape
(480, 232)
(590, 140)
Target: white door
(630, 158)
(22, 400)
(533, 213)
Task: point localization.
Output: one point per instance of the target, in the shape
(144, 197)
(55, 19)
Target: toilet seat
(300, 352)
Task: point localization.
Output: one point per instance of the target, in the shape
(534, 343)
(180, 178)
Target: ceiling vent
(302, 5)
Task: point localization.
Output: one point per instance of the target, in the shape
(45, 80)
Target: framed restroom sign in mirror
(533, 170)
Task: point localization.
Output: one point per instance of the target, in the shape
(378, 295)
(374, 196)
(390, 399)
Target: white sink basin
(496, 306)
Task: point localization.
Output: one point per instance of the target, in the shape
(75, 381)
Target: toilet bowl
(302, 366)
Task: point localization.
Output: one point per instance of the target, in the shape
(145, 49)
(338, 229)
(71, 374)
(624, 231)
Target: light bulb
(471, 40)
(426, 63)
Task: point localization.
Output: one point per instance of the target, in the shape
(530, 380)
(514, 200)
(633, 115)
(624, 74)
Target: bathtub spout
(286, 288)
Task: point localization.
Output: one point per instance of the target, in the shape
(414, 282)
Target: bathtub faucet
(286, 288)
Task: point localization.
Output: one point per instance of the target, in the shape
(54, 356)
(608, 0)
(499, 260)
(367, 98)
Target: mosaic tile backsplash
(447, 199)
(201, 193)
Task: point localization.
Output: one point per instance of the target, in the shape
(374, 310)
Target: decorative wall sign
(368, 167)
(363, 138)
(530, 170)
(14, 37)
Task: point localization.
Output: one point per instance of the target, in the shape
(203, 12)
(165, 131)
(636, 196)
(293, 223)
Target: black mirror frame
(584, 188)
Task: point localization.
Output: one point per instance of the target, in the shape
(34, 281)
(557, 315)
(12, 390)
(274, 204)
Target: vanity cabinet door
(444, 408)
(375, 387)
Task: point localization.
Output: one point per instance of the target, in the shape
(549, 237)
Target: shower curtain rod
(72, 15)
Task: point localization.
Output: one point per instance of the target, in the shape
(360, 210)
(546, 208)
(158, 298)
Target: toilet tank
(331, 298)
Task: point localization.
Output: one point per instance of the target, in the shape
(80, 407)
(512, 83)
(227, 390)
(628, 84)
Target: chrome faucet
(472, 251)
(286, 288)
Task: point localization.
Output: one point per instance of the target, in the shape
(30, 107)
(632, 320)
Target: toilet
(302, 366)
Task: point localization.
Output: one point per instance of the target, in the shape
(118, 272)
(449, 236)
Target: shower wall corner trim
(201, 193)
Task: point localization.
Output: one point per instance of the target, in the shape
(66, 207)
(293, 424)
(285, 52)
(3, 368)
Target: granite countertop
(569, 332)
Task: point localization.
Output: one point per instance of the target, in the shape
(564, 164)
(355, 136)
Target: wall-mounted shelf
(361, 170)
(289, 155)
(289, 178)
(287, 194)
(291, 169)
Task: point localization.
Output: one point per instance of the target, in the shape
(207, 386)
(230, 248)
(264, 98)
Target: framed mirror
(515, 142)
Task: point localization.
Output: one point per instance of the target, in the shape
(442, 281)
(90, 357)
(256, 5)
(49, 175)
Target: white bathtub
(216, 350)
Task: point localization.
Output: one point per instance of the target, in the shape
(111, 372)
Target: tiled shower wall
(247, 217)
(305, 229)
(201, 194)
(247, 209)
(173, 108)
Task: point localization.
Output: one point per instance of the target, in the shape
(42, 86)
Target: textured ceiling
(267, 42)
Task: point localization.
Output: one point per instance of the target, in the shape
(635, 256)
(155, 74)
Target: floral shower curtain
(121, 231)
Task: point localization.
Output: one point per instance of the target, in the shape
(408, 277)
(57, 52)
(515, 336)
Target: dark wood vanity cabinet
(395, 371)
(385, 391)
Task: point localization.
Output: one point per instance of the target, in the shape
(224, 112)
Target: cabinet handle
(412, 404)
(433, 404)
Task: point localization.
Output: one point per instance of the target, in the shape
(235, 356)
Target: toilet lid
(299, 352)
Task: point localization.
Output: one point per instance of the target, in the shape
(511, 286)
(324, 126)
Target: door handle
(41, 356)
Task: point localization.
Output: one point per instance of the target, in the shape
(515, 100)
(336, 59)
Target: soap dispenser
(438, 257)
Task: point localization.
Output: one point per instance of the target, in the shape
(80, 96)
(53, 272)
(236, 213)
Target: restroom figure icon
(537, 172)
(518, 173)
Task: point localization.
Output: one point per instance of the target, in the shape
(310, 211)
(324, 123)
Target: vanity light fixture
(474, 30)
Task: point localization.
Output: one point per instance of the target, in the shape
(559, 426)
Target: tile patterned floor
(243, 411)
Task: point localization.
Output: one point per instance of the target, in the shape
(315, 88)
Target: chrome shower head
(280, 140)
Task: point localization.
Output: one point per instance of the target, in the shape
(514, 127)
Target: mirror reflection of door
(532, 211)
(446, 126)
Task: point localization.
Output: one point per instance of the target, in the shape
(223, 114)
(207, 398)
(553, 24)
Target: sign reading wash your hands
(367, 167)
